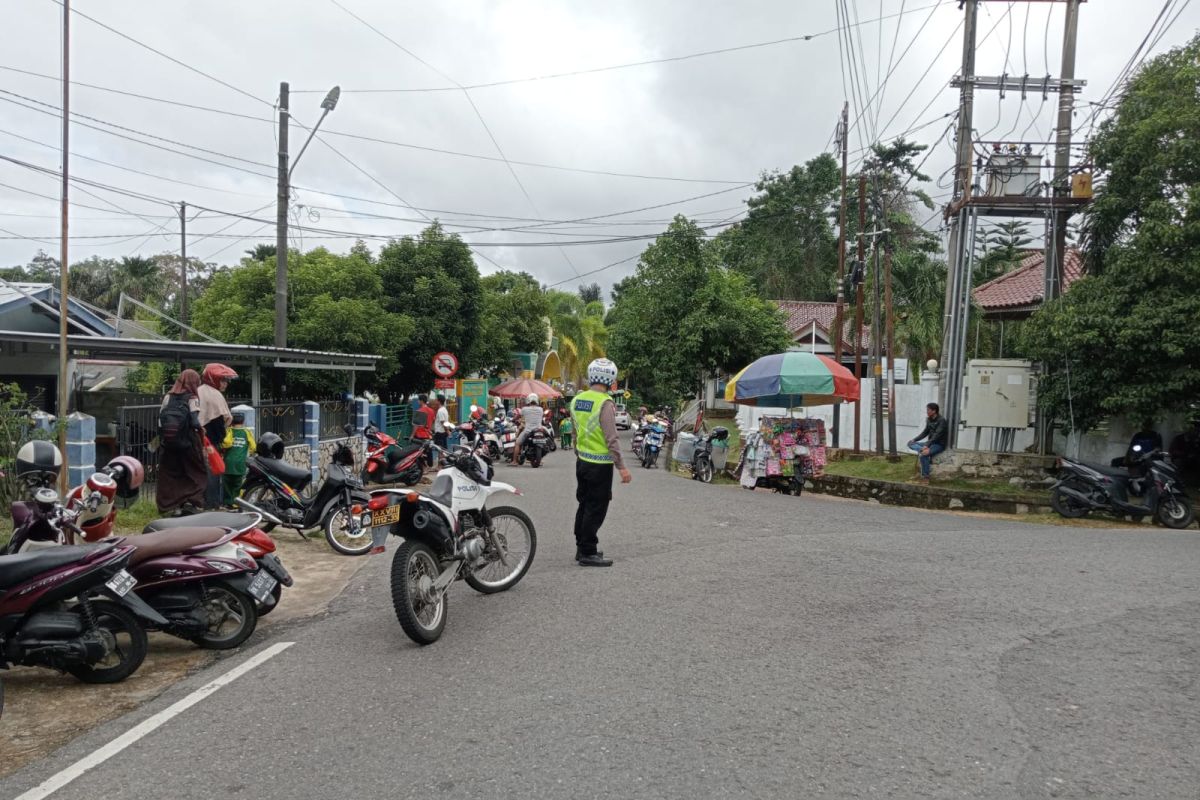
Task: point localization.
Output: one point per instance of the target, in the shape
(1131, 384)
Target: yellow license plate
(389, 515)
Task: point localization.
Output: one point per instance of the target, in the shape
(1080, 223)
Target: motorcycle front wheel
(517, 539)
(1175, 511)
(231, 615)
(1067, 506)
(704, 470)
(340, 536)
(420, 611)
(126, 641)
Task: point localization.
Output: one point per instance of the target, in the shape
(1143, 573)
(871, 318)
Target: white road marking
(56, 782)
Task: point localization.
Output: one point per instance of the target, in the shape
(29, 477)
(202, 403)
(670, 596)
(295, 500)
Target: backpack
(174, 424)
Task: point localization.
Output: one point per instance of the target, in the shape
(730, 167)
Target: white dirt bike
(448, 534)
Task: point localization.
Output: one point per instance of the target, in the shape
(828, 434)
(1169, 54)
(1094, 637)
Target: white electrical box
(996, 394)
(1013, 174)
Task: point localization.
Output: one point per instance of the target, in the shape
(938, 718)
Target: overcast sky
(715, 120)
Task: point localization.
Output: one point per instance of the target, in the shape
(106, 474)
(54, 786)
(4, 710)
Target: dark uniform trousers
(593, 490)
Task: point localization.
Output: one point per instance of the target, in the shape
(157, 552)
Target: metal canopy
(170, 351)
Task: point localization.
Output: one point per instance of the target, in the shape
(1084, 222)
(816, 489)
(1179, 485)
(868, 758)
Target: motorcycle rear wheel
(535, 461)
(127, 642)
(232, 616)
(337, 533)
(1066, 506)
(516, 534)
(1175, 512)
(422, 620)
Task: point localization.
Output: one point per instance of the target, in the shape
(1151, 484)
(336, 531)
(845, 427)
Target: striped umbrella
(786, 380)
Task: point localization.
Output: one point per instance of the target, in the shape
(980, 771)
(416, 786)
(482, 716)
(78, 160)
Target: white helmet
(602, 371)
(531, 399)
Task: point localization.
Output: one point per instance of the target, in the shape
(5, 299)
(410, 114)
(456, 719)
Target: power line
(611, 67)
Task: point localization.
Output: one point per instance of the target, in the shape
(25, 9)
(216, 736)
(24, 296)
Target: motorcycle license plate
(121, 583)
(262, 585)
(388, 515)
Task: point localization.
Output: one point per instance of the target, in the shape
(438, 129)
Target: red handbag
(216, 464)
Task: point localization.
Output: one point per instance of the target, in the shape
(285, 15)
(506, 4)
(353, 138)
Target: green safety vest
(590, 444)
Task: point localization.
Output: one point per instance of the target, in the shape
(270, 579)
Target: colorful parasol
(520, 388)
(786, 380)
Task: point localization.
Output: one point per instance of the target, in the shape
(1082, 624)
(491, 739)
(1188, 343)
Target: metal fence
(137, 428)
(397, 421)
(335, 416)
(286, 420)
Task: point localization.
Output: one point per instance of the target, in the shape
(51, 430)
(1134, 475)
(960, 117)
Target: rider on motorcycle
(531, 420)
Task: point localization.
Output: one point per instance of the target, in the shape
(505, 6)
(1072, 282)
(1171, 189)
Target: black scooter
(275, 488)
(1084, 488)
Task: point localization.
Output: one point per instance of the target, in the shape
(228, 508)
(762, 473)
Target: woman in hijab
(182, 471)
(215, 418)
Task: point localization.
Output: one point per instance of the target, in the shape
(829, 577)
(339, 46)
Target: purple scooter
(205, 584)
(53, 612)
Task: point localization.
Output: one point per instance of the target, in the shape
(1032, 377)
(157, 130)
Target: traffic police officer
(597, 451)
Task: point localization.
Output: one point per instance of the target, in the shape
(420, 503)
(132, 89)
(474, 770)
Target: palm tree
(580, 331)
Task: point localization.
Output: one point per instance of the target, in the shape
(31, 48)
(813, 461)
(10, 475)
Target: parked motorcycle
(505, 433)
(652, 445)
(389, 462)
(1084, 488)
(52, 612)
(274, 487)
(639, 437)
(251, 536)
(447, 534)
(535, 447)
(701, 465)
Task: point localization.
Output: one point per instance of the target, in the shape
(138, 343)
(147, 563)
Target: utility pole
(961, 189)
(841, 286)
(281, 224)
(1060, 183)
(183, 286)
(876, 322)
(858, 303)
(891, 340)
(63, 405)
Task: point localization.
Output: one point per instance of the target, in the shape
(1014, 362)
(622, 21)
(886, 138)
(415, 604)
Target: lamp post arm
(311, 134)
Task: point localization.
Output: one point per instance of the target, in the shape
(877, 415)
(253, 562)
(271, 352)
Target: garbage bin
(720, 454)
(685, 446)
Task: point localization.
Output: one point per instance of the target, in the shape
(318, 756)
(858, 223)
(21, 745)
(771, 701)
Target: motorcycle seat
(1105, 469)
(17, 569)
(173, 542)
(295, 477)
(237, 520)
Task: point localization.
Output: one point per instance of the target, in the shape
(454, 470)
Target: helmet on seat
(270, 446)
(602, 371)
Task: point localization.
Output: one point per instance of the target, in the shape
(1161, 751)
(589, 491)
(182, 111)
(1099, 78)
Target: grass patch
(905, 471)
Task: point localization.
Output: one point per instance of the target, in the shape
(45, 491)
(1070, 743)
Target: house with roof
(811, 325)
(1016, 294)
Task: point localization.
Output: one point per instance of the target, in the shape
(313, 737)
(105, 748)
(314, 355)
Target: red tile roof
(801, 314)
(1022, 288)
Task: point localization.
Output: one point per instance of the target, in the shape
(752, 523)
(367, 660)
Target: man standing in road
(597, 450)
(936, 434)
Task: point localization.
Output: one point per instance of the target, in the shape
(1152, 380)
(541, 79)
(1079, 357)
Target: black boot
(594, 560)
(579, 553)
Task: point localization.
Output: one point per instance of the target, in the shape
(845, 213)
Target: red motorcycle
(388, 462)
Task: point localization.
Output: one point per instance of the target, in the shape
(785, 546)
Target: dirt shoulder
(44, 710)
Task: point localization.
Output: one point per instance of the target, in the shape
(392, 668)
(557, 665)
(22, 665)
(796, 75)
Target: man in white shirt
(441, 420)
(531, 419)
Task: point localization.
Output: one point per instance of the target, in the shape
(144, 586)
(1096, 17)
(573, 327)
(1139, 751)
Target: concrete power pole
(62, 405)
(281, 224)
(839, 312)
(183, 286)
(960, 189)
(858, 303)
(1060, 183)
(877, 321)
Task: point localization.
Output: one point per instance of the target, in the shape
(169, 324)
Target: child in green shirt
(565, 428)
(238, 445)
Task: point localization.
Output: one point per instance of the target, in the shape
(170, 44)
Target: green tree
(513, 320)
(786, 243)
(333, 304)
(1125, 340)
(432, 280)
(261, 252)
(1000, 249)
(685, 316)
(591, 293)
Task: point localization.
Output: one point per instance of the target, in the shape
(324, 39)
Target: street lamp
(282, 199)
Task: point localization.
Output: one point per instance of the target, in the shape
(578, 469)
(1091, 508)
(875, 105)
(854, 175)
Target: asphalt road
(744, 645)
